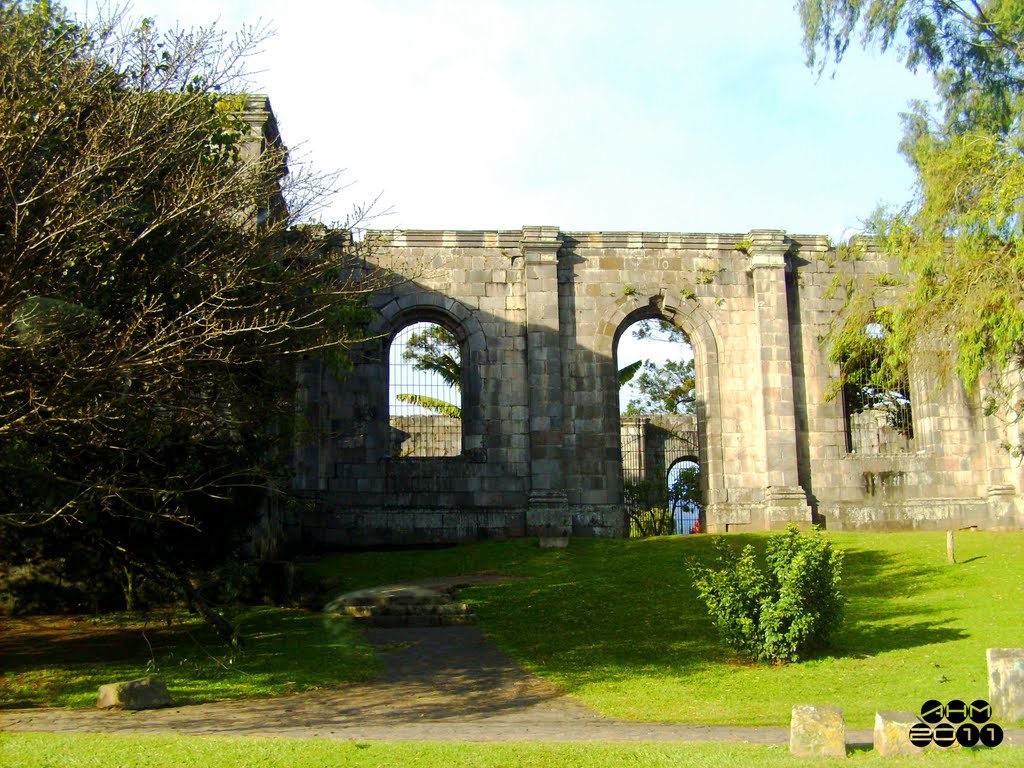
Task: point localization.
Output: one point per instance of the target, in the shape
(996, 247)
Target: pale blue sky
(588, 115)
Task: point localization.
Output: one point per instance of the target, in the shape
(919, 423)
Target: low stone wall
(360, 527)
(916, 515)
(425, 436)
(312, 530)
(871, 434)
(593, 521)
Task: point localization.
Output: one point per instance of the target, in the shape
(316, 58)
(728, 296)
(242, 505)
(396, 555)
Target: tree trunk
(225, 629)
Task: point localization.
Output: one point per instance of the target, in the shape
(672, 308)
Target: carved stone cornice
(768, 248)
(540, 244)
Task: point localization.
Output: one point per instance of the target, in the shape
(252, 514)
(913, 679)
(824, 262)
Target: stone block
(817, 731)
(553, 542)
(892, 733)
(1006, 683)
(144, 693)
(548, 516)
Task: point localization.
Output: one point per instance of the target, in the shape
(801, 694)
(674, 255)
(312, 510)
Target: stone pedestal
(785, 505)
(549, 519)
(1002, 506)
(892, 733)
(817, 732)
(1006, 683)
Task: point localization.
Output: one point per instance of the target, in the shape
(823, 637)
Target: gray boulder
(144, 693)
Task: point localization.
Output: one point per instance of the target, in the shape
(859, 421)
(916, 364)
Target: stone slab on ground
(553, 542)
(403, 605)
(817, 731)
(144, 693)
(1006, 683)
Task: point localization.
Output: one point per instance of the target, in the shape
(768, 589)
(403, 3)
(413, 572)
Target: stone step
(391, 621)
(402, 605)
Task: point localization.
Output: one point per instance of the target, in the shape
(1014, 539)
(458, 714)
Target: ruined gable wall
(945, 476)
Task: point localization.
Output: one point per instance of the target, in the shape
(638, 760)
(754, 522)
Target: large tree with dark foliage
(158, 272)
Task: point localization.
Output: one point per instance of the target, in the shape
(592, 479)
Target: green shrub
(784, 611)
(647, 511)
(651, 522)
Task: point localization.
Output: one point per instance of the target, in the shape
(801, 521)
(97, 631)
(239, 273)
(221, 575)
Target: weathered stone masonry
(538, 313)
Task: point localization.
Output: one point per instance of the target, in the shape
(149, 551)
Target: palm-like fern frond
(628, 372)
(431, 404)
(445, 366)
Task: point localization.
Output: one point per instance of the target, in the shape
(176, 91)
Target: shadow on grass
(888, 606)
(615, 610)
(48, 660)
(607, 610)
(27, 643)
(61, 661)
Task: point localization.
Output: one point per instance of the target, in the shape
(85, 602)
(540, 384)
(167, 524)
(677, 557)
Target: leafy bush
(784, 611)
(650, 522)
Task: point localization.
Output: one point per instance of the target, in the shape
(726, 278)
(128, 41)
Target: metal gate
(652, 447)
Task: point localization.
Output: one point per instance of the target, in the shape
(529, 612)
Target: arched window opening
(425, 392)
(876, 396)
(657, 397)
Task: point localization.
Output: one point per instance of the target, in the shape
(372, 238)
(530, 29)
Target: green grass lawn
(59, 751)
(617, 623)
(284, 651)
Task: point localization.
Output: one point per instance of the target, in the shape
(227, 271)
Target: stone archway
(687, 508)
(699, 329)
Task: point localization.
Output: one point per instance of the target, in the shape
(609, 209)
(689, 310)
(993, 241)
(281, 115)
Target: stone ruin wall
(427, 435)
(538, 313)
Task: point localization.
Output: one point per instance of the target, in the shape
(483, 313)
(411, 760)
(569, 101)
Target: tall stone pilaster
(547, 514)
(785, 500)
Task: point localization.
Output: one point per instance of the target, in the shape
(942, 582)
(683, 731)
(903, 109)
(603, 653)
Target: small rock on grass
(144, 693)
